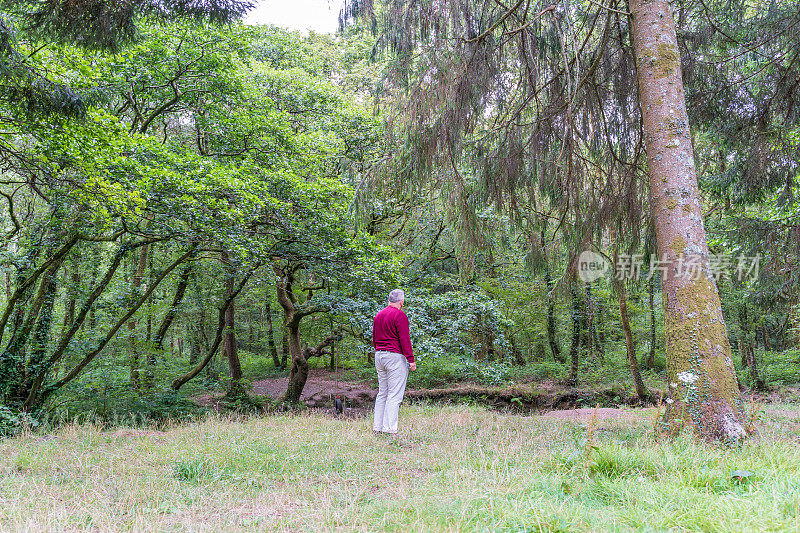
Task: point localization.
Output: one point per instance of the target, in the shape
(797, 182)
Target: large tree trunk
(298, 373)
(706, 396)
(633, 363)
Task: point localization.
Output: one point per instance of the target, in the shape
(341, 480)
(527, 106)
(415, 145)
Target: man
(393, 360)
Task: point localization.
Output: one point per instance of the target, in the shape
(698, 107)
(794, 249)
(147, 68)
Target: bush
(487, 373)
(123, 406)
(442, 371)
(12, 422)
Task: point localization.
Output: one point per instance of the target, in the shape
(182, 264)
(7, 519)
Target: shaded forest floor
(324, 385)
(454, 468)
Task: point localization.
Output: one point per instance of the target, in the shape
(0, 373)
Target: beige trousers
(392, 371)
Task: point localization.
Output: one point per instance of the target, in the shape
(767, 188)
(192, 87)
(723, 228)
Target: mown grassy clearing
(456, 468)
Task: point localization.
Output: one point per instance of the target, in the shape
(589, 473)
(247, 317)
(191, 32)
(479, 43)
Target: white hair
(397, 295)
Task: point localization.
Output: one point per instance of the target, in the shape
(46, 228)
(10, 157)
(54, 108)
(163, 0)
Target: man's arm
(405, 338)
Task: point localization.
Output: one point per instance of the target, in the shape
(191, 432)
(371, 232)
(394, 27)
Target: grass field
(456, 468)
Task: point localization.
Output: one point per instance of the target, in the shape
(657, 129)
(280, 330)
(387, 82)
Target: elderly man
(393, 359)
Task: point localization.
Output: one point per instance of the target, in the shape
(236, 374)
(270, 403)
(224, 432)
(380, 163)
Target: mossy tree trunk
(705, 393)
(294, 312)
(633, 363)
(298, 372)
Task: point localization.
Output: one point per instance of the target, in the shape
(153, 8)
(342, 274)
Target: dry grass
(457, 468)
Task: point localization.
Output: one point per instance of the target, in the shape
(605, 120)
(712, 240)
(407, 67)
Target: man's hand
(412, 366)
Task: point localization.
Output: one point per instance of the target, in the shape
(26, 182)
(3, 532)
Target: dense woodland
(191, 203)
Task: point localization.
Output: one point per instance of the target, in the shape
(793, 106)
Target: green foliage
(465, 323)
(12, 422)
(447, 370)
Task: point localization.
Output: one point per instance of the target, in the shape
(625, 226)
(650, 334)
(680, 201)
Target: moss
(697, 342)
(678, 245)
(666, 60)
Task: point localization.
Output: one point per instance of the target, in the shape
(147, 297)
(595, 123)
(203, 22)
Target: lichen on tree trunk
(700, 370)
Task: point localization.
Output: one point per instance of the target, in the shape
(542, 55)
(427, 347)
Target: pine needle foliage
(527, 105)
(533, 105)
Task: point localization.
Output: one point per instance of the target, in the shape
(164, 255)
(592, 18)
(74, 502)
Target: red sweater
(390, 332)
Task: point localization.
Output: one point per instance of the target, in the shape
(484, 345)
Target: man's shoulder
(390, 311)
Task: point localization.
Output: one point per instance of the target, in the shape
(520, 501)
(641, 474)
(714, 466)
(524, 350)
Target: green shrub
(123, 406)
(12, 422)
